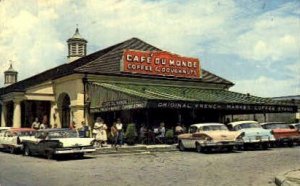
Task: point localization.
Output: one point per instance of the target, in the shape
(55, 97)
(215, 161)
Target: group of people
(157, 135)
(43, 125)
(116, 132)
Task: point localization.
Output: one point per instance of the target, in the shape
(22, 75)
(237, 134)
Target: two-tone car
(255, 136)
(54, 142)
(282, 132)
(11, 139)
(2, 131)
(207, 136)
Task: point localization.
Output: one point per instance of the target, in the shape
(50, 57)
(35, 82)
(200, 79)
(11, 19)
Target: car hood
(75, 142)
(256, 131)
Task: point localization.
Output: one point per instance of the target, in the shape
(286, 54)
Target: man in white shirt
(119, 127)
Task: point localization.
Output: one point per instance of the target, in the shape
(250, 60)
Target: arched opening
(64, 109)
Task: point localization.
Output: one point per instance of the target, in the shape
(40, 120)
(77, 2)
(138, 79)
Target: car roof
(294, 124)
(207, 124)
(275, 122)
(241, 122)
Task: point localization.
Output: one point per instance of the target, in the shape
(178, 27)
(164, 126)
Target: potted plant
(130, 134)
(170, 136)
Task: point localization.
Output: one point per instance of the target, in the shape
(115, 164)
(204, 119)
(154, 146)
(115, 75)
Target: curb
(135, 150)
(286, 180)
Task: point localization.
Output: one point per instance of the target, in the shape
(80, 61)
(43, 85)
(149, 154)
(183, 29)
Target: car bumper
(220, 144)
(74, 150)
(259, 141)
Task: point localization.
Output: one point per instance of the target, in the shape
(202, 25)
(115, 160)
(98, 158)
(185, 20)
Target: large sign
(160, 63)
(224, 106)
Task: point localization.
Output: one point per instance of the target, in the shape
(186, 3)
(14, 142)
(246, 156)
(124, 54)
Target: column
(3, 115)
(17, 114)
(53, 116)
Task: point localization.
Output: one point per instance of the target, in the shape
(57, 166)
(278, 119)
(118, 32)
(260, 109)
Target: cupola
(10, 76)
(76, 46)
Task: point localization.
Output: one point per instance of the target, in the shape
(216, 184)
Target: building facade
(131, 80)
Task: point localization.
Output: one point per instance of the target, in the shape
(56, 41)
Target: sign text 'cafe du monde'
(160, 63)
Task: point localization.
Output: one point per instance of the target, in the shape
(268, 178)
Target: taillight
(240, 137)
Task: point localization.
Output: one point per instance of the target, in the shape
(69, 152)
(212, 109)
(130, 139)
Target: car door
(191, 141)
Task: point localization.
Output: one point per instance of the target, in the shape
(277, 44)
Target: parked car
(282, 133)
(54, 142)
(295, 126)
(2, 131)
(11, 139)
(205, 136)
(255, 136)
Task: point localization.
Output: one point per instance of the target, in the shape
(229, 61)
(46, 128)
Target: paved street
(169, 168)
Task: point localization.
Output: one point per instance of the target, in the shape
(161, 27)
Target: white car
(255, 135)
(295, 126)
(206, 136)
(11, 139)
(54, 142)
(2, 131)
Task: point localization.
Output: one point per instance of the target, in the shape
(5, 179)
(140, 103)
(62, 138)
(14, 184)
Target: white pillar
(3, 115)
(17, 114)
(53, 114)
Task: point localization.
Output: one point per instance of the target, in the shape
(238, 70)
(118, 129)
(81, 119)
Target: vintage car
(282, 133)
(295, 126)
(255, 136)
(11, 139)
(2, 131)
(206, 136)
(54, 142)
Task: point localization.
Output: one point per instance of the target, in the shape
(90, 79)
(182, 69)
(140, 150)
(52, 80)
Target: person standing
(114, 135)
(119, 126)
(36, 124)
(100, 131)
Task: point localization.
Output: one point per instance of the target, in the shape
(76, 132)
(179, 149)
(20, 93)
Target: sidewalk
(291, 178)
(126, 149)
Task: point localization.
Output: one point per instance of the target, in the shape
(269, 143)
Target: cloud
(267, 87)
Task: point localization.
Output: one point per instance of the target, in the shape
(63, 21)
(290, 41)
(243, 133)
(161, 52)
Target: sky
(253, 43)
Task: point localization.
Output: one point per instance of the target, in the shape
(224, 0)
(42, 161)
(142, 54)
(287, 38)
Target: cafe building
(131, 80)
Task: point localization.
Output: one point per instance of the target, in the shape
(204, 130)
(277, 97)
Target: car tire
(290, 143)
(265, 146)
(27, 151)
(79, 155)
(199, 148)
(49, 155)
(229, 149)
(12, 150)
(181, 146)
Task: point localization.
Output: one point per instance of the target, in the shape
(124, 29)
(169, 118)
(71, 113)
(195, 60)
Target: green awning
(111, 97)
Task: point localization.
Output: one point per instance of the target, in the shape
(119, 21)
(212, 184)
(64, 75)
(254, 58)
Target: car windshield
(63, 134)
(276, 126)
(213, 127)
(26, 133)
(249, 125)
